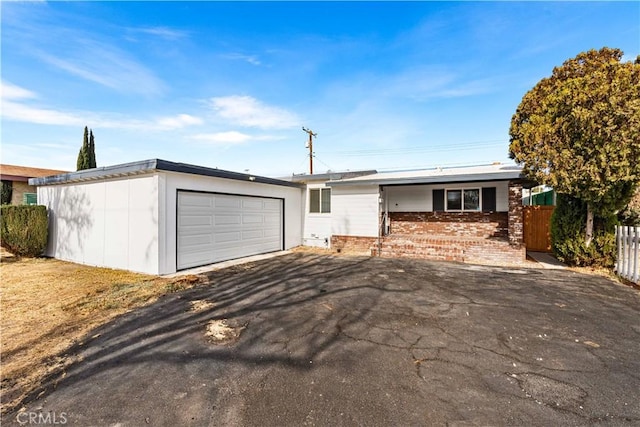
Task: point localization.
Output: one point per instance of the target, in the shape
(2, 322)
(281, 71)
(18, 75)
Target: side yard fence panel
(628, 244)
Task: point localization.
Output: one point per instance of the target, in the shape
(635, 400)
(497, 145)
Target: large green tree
(579, 131)
(87, 154)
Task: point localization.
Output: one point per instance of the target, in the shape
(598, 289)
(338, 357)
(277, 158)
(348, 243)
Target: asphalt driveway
(364, 341)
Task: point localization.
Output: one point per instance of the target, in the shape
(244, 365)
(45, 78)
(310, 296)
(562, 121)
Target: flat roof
(493, 172)
(151, 165)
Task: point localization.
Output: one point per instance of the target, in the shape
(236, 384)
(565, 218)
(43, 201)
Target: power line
(435, 165)
(330, 168)
(418, 150)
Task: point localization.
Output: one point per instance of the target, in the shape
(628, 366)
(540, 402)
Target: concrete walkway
(547, 261)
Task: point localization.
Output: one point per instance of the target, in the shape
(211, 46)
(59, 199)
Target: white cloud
(249, 112)
(11, 91)
(251, 59)
(56, 39)
(23, 113)
(20, 112)
(16, 107)
(163, 32)
(178, 121)
(231, 137)
(113, 68)
(435, 82)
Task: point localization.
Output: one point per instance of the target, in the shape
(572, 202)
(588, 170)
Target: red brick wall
(496, 253)
(516, 219)
(455, 224)
(353, 244)
(472, 250)
(478, 251)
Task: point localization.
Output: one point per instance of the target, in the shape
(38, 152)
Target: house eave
(152, 165)
(331, 176)
(446, 179)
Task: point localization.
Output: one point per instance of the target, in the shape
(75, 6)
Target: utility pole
(309, 145)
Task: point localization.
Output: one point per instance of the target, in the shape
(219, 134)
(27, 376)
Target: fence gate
(537, 228)
(628, 260)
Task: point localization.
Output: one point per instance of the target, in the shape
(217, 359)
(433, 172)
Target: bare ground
(49, 305)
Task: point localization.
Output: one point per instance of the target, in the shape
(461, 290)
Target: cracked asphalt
(364, 341)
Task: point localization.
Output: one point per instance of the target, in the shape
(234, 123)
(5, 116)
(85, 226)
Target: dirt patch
(201, 305)
(606, 273)
(48, 305)
(220, 332)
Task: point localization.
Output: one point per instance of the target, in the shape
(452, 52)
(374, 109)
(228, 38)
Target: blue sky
(230, 85)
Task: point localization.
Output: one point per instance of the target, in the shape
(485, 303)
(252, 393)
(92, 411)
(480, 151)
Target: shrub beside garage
(24, 229)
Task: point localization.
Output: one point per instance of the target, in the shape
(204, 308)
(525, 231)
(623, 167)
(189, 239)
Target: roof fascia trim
(147, 166)
(431, 180)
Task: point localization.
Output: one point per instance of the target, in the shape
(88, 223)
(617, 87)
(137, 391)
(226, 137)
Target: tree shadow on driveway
(350, 341)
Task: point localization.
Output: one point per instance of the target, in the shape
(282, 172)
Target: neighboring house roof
(331, 176)
(23, 173)
(493, 172)
(147, 166)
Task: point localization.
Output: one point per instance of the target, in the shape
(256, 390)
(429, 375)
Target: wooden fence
(628, 262)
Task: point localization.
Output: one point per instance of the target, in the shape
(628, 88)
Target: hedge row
(24, 229)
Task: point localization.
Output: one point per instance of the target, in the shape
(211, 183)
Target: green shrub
(568, 234)
(631, 214)
(24, 229)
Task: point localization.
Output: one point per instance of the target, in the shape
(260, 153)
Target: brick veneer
(453, 224)
(473, 250)
(516, 226)
(354, 244)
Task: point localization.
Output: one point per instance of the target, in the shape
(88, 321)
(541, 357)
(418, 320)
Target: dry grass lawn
(47, 305)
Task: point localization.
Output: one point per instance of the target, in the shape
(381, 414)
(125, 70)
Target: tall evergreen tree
(83, 159)
(92, 150)
(87, 154)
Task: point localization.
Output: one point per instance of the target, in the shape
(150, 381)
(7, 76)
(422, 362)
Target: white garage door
(218, 227)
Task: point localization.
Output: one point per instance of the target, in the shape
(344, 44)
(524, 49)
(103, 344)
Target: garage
(158, 217)
(217, 227)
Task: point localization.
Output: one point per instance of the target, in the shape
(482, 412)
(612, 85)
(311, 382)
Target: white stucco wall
(171, 182)
(354, 210)
(111, 223)
(317, 226)
(418, 198)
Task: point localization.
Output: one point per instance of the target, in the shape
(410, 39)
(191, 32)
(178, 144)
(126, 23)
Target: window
(320, 200)
(29, 199)
(472, 200)
(454, 200)
(325, 200)
(464, 199)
